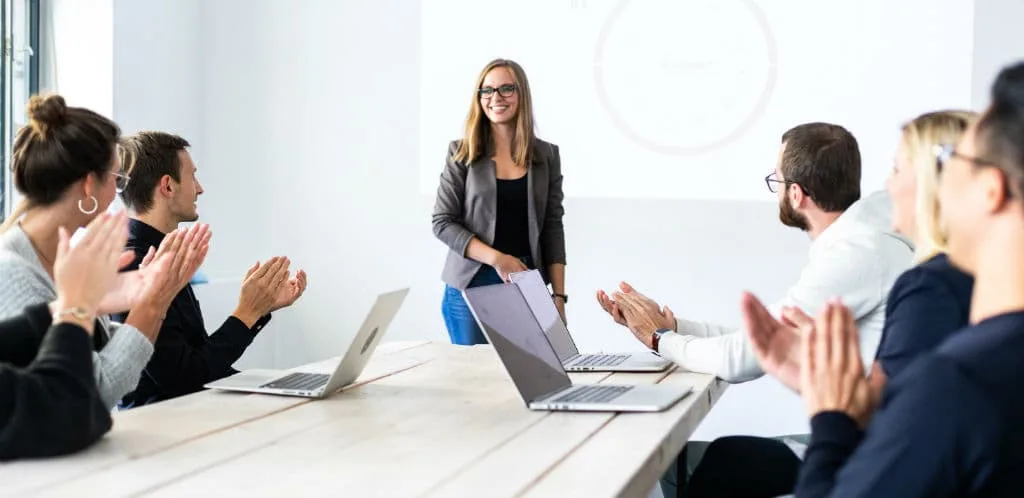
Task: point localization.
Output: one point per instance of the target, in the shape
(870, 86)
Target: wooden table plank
(632, 450)
(398, 436)
(156, 428)
(534, 451)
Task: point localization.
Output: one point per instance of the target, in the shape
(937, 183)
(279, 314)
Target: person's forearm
(478, 251)
(556, 273)
(147, 319)
(728, 357)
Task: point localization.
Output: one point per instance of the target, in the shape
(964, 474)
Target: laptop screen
(518, 339)
(531, 284)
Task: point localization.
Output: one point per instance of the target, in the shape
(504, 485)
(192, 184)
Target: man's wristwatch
(565, 297)
(656, 338)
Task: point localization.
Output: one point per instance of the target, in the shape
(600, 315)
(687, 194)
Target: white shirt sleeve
(851, 269)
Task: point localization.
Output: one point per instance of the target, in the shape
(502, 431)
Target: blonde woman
(926, 305)
(932, 300)
(499, 203)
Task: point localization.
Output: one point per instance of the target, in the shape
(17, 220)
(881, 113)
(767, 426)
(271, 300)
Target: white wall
(305, 118)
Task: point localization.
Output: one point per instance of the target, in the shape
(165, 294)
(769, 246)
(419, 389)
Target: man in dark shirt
(949, 424)
(162, 192)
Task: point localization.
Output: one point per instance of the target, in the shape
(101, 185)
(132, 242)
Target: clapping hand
(83, 274)
(667, 319)
(776, 344)
(291, 291)
(831, 374)
(643, 316)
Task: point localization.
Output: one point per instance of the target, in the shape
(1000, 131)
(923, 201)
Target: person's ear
(796, 195)
(167, 186)
(995, 189)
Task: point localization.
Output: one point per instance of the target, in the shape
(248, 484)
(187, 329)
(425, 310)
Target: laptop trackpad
(248, 379)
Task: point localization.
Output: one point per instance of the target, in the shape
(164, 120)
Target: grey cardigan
(24, 282)
(466, 207)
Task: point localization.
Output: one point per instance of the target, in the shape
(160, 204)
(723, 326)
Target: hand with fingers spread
(775, 343)
(831, 374)
(162, 273)
(169, 268)
(643, 316)
(261, 288)
(291, 291)
(666, 319)
(84, 274)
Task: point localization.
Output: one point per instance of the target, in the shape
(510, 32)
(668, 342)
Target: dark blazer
(466, 206)
(49, 404)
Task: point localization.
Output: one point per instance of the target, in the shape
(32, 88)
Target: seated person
(854, 253)
(66, 169)
(928, 303)
(163, 193)
(948, 424)
(49, 402)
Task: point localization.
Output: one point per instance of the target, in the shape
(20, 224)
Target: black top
(512, 227)
(948, 425)
(184, 356)
(49, 404)
(925, 306)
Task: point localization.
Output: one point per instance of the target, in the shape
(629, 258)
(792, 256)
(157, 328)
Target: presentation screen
(688, 99)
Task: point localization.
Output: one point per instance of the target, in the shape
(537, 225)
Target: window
(19, 79)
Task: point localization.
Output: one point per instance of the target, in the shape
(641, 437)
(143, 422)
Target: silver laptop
(318, 385)
(524, 350)
(531, 284)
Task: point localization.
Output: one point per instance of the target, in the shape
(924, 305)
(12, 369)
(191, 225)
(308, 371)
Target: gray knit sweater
(24, 282)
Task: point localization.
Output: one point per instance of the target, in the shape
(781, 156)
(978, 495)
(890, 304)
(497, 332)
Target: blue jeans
(462, 327)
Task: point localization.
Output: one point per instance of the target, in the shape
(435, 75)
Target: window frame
(12, 47)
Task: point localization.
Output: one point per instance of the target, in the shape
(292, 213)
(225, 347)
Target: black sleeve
(52, 407)
(177, 367)
(22, 335)
(903, 454)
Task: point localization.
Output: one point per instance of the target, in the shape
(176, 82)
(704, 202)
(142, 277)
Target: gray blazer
(467, 203)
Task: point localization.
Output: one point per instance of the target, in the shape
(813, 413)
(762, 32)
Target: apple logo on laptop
(369, 340)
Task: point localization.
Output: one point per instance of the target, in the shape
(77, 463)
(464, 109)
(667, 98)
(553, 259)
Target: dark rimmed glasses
(503, 90)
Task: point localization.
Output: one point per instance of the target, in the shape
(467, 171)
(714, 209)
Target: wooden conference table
(424, 419)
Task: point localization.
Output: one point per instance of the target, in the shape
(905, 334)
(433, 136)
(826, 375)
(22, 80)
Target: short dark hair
(824, 160)
(146, 157)
(60, 146)
(1000, 131)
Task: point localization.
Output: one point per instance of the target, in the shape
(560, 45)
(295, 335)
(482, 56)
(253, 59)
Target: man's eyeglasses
(773, 182)
(503, 90)
(121, 181)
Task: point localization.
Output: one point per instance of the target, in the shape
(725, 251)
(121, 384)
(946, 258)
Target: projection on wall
(687, 99)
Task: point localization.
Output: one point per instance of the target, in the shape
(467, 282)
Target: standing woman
(499, 204)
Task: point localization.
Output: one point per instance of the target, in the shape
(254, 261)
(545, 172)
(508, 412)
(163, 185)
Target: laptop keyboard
(299, 382)
(599, 360)
(594, 393)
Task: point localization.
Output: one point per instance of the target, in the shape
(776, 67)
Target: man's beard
(790, 217)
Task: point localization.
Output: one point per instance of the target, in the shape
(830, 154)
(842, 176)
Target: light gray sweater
(24, 282)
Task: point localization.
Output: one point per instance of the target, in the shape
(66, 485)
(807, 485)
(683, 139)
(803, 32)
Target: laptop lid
(506, 319)
(531, 285)
(361, 348)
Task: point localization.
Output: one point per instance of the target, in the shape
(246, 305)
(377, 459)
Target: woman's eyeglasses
(503, 90)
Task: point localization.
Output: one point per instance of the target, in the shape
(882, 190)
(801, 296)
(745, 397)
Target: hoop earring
(95, 206)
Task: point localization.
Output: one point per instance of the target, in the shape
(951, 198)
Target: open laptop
(524, 350)
(531, 284)
(318, 385)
